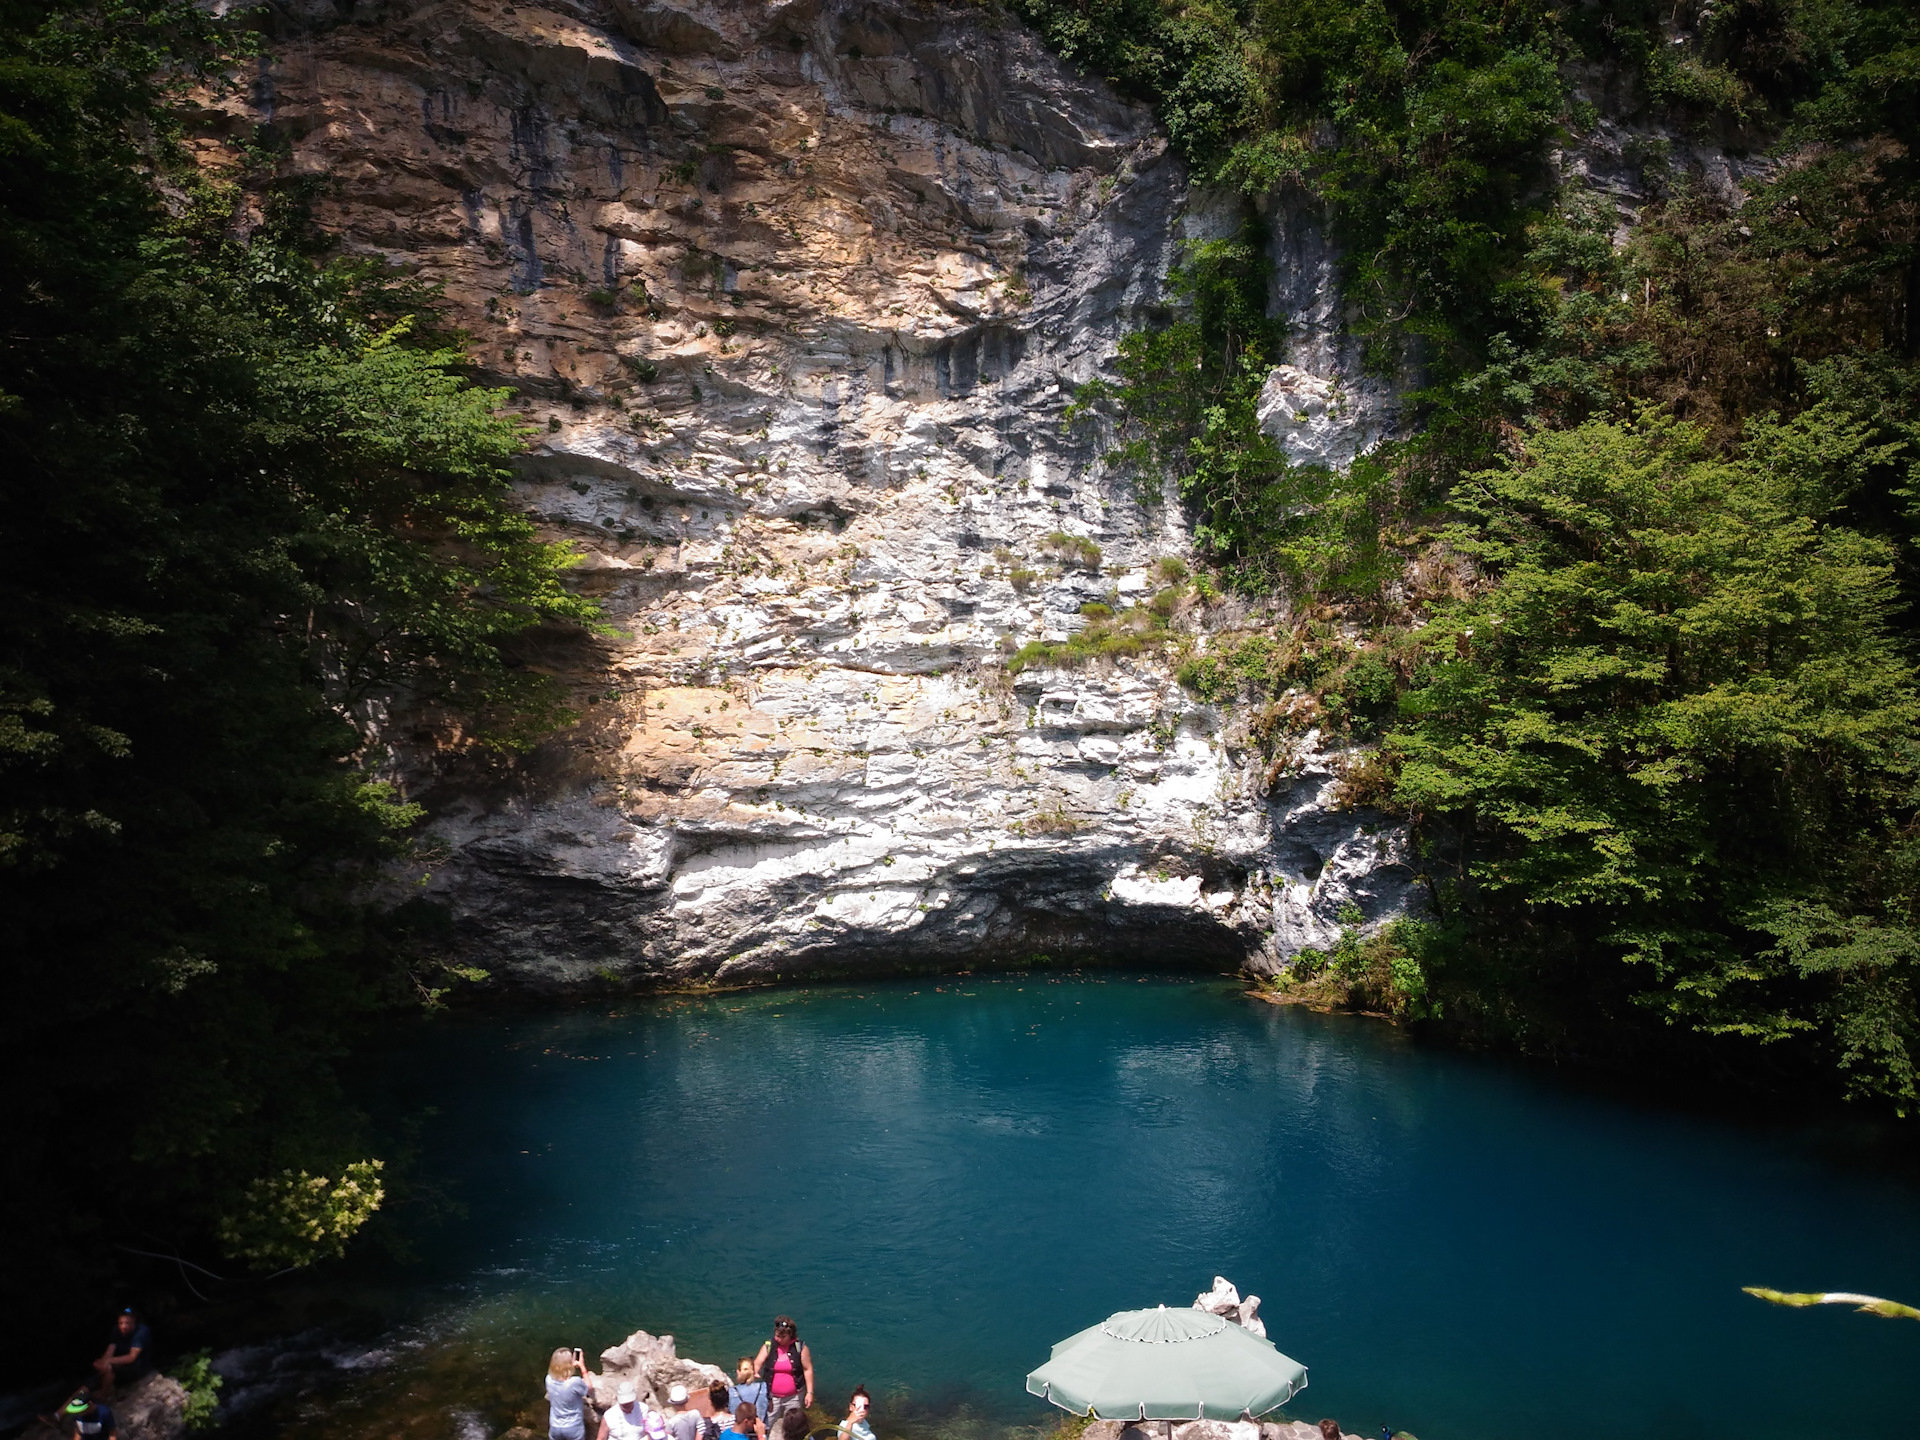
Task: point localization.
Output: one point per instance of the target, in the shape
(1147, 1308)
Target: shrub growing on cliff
(1746, 853)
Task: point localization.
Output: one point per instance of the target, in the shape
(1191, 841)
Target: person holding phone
(568, 1385)
(856, 1426)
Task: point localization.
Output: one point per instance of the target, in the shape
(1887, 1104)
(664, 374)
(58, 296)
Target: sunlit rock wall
(797, 295)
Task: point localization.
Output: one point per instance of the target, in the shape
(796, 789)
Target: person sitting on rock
(1329, 1430)
(127, 1356)
(855, 1426)
(89, 1419)
(747, 1389)
(568, 1386)
(627, 1420)
(785, 1366)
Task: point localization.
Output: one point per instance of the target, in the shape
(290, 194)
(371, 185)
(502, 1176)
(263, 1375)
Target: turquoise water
(940, 1179)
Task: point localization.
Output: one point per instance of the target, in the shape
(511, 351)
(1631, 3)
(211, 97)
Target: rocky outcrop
(1224, 1300)
(1319, 420)
(798, 295)
(651, 1365)
(155, 1409)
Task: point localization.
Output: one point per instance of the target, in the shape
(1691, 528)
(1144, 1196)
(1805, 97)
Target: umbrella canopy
(1167, 1365)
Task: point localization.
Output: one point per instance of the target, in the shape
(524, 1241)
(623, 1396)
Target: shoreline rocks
(1206, 1430)
(155, 1408)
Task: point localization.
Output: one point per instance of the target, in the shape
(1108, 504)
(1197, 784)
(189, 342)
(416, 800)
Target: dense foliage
(250, 507)
(1631, 619)
(1680, 732)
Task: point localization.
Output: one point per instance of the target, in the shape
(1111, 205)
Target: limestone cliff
(797, 294)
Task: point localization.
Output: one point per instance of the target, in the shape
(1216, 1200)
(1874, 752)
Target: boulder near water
(1224, 1300)
(653, 1366)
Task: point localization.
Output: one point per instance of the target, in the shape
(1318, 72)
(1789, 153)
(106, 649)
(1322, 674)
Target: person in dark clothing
(89, 1419)
(127, 1356)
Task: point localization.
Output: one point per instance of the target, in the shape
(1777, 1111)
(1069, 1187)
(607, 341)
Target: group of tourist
(769, 1400)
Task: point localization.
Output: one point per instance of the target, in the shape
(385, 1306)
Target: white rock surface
(1224, 1300)
(796, 296)
(1210, 1429)
(1320, 421)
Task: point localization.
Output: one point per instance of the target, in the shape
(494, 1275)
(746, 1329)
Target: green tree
(1677, 721)
(251, 511)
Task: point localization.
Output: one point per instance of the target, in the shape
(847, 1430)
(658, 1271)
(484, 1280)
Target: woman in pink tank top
(786, 1365)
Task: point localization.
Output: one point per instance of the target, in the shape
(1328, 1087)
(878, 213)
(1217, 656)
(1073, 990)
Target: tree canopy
(253, 510)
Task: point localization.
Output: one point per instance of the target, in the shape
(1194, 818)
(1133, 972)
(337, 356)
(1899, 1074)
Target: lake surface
(941, 1179)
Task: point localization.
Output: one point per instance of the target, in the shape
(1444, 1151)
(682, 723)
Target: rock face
(797, 294)
(1320, 421)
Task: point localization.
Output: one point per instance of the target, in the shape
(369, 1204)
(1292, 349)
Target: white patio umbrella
(1167, 1365)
